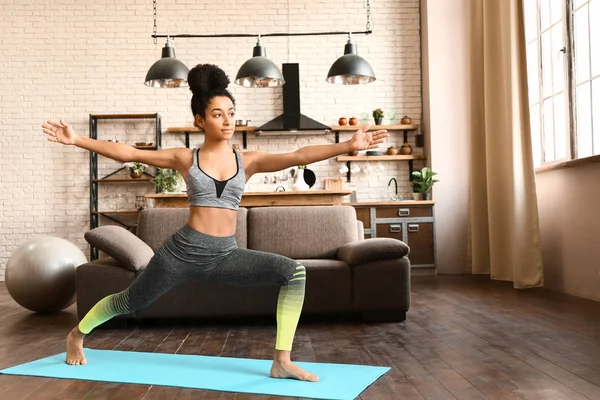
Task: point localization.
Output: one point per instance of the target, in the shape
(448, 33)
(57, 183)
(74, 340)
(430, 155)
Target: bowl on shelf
(144, 143)
(375, 153)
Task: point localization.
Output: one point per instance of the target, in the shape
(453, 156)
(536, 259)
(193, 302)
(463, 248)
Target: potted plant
(167, 180)
(136, 169)
(378, 116)
(422, 183)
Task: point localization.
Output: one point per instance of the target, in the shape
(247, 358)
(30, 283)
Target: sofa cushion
(155, 225)
(303, 231)
(130, 251)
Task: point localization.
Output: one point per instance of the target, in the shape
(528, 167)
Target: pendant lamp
(259, 71)
(350, 69)
(168, 72)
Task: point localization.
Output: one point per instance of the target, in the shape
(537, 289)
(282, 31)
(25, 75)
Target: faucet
(395, 195)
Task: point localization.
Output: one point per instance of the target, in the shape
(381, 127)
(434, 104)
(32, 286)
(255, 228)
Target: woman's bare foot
(75, 354)
(283, 367)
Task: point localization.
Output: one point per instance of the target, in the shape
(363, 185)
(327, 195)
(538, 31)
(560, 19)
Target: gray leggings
(190, 254)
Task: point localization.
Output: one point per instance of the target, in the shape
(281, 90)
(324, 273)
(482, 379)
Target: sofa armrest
(375, 249)
(129, 250)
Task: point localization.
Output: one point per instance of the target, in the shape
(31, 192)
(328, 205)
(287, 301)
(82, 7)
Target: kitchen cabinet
(411, 222)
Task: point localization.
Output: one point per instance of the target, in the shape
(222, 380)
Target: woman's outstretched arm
(362, 139)
(61, 132)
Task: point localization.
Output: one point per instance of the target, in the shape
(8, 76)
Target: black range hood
(292, 120)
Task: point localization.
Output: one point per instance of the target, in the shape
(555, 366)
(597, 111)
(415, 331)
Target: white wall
(67, 59)
(446, 86)
(570, 227)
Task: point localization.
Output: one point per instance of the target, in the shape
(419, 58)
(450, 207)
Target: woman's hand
(364, 140)
(60, 132)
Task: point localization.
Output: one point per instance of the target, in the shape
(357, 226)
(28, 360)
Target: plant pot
(417, 196)
(135, 174)
(427, 196)
(378, 121)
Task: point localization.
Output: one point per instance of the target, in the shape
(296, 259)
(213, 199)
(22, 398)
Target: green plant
(135, 166)
(423, 180)
(167, 180)
(378, 113)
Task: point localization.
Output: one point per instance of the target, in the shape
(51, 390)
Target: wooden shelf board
(382, 158)
(123, 180)
(193, 129)
(124, 116)
(376, 127)
(116, 212)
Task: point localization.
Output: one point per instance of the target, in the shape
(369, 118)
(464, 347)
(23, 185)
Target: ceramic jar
(405, 121)
(343, 121)
(391, 151)
(406, 149)
(353, 121)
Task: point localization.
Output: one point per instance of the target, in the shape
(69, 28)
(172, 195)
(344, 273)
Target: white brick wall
(67, 59)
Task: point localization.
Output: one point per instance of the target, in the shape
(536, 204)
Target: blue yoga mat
(337, 381)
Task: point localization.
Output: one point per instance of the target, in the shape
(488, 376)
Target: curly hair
(207, 81)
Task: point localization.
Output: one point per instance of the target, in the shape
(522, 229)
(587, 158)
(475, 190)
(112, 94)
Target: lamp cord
(368, 16)
(155, 28)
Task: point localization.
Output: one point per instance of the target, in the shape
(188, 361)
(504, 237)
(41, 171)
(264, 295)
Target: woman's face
(220, 118)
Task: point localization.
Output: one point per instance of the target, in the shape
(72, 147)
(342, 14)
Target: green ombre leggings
(190, 254)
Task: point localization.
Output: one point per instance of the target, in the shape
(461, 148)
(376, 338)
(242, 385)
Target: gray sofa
(346, 274)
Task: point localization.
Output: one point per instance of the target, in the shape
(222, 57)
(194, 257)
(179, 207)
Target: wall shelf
(187, 130)
(95, 180)
(352, 128)
(127, 180)
(382, 158)
(116, 212)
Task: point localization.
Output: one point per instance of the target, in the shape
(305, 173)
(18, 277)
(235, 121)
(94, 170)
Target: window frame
(568, 50)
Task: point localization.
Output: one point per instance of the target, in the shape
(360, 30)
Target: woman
(205, 247)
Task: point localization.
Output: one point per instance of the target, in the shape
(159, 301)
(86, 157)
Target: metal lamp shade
(350, 69)
(168, 72)
(259, 71)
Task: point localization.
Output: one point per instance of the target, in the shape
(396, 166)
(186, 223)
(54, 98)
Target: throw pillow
(129, 250)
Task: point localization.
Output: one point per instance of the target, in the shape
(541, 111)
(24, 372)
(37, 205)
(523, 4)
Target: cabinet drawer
(403, 212)
(419, 237)
(389, 231)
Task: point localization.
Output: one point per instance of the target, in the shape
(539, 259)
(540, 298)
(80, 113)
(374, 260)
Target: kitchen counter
(262, 199)
(375, 203)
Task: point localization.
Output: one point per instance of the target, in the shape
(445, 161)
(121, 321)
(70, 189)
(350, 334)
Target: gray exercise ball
(40, 274)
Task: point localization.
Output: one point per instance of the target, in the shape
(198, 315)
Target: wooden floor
(464, 338)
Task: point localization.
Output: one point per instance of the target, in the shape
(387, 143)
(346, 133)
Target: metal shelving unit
(95, 180)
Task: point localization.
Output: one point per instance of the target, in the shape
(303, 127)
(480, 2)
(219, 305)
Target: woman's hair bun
(204, 78)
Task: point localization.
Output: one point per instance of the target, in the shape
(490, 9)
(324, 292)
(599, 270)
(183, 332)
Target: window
(563, 69)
